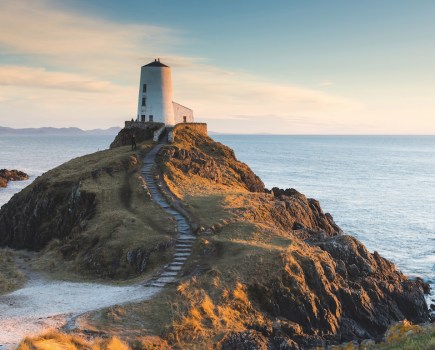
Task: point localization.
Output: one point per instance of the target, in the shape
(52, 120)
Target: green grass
(11, 277)
(424, 340)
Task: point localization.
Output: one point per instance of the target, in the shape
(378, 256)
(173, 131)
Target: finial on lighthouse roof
(156, 63)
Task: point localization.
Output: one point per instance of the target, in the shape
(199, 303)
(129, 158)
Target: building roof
(156, 63)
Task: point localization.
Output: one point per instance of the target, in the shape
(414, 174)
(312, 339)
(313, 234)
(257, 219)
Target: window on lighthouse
(144, 101)
(144, 88)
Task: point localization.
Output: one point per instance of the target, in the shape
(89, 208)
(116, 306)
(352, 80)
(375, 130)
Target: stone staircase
(185, 240)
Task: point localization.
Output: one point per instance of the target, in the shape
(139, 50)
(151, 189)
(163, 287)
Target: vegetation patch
(11, 277)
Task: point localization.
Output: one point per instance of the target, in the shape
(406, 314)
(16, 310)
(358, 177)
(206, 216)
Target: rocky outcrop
(304, 216)
(301, 282)
(42, 212)
(328, 296)
(141, 134)
(338, 294)
(11, 175)
(322, 288)
(195, 157)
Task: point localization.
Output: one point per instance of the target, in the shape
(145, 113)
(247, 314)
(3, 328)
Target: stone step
(166, 280)
(186, 237)
(173, 268)
(169, 273)
(180, 259)
(157, 284)
(183, 245)
(181, 254)
(183, 250)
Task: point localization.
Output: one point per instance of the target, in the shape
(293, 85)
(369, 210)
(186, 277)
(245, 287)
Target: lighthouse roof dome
(156, 63)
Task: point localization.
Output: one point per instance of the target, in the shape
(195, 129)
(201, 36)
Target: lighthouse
(155, 102)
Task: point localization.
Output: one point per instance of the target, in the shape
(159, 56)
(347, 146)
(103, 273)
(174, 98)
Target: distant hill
(58, 131)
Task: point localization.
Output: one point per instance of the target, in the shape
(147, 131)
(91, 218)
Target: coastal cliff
(269, 269)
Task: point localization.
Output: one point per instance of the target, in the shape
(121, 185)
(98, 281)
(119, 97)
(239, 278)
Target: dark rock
(24, 220)
(283, 343)
(425, 286)
(297, 226)
(11, 175)
(248, 340)
(354, 271)
(141, 134)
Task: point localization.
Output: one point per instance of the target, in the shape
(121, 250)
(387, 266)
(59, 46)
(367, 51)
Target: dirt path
(43, 303)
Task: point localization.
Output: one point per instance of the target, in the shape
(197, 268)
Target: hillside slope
(277, 270)
(269, 269)
(90, 218)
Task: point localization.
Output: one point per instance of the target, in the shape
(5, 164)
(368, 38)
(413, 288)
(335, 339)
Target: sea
(380, 189)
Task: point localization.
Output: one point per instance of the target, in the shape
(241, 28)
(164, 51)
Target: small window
(151, 118)
(142, 118)
(144, 88)
(184, 119)
(144, 101)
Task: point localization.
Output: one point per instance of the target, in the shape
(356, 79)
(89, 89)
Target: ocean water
(380, 189)
(36, 154)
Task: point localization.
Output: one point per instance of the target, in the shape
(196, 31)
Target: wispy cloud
(39, 77)
(74, 54)
(325, 83)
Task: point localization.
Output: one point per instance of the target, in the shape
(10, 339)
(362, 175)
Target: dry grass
(132, 321)
(10, 276)
(405, 336)
(202, 319)
(126, 220)
(53, 340)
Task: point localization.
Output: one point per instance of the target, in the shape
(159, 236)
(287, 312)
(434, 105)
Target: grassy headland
(268, 270)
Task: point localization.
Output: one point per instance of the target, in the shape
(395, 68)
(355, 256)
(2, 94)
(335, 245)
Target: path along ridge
(185, 239)
(43, 304)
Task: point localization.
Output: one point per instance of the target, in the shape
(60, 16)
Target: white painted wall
(181, 111)
(158, 95)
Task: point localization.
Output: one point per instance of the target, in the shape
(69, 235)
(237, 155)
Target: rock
(354, 271)
(297, 226)
(44, 211)
(195, 157)
(367, 344)
(425, 286)
(283, 343)
(248, 340)
(11, 175)
(141, 134)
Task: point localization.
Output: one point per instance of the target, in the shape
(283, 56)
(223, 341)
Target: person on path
(133, 142)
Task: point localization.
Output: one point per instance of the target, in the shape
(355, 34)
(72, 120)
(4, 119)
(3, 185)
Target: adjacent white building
(155, 97)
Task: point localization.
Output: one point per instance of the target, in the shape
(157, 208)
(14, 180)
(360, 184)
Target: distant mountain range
(58, 131)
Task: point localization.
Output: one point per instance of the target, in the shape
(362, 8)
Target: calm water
(379, 189)
(36, 154)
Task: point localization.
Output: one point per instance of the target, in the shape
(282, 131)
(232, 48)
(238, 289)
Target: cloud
(84, 71)
(325, 83)
(215, 92)
(77, 41)
(41, 78)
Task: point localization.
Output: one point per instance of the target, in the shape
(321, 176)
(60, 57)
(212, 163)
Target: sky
(277, 67)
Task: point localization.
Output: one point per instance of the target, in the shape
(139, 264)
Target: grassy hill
(269, 269)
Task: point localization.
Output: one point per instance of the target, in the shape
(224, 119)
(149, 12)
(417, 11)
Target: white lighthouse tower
(155, 94)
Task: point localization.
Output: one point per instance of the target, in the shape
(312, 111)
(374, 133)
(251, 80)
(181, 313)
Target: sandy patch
(45, 304)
